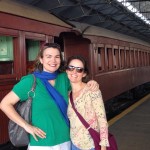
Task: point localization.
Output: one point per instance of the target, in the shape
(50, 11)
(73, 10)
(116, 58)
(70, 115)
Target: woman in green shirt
(50, 125)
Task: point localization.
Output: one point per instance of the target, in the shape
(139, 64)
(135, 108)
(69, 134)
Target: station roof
(129, 17)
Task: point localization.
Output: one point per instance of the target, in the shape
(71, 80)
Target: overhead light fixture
(134, 10)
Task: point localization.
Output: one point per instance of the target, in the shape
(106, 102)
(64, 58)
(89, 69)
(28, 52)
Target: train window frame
(142, 58)
(148, 58)
(32, 49)
(30, 36)
(145, 60)
(6, 48)
(132, 57)
(100, 58)
(108, 57)
(135, 57)
(6, 55)
(139, 58)
(122, 57)
(116, 59)
(15, 39)
(127, 57)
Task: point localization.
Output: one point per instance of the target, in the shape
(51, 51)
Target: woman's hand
(35, 131)
(93, 85)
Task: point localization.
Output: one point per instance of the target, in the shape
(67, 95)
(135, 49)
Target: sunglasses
(78, 69)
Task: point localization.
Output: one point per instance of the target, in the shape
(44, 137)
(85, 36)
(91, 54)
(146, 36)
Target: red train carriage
(118, 62)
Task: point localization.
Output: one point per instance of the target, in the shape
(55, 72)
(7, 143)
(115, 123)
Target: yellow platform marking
(132, 107)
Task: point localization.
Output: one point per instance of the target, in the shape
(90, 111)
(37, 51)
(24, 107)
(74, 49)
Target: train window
(140, 58)
(116, 58)
(132, 59)
(6, 55)
(109, 60)
(136, 58)
(127, 58)
(100, 59)
(32, 48)
(149, 59)
(145, 60)
(122, 58)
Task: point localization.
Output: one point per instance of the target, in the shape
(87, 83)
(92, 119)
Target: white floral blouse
(90, 105)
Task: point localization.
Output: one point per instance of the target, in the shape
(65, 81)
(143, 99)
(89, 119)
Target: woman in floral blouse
(89, 104)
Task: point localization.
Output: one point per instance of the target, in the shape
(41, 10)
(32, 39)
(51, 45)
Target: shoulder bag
(17, 135)
(94, 134)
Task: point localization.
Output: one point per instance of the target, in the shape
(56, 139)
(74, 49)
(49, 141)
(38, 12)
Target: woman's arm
(7, 106)
(99, 109)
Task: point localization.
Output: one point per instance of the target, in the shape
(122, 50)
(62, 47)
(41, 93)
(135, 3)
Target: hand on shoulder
(93, 85)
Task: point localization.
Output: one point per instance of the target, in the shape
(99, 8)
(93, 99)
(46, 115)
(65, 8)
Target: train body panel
(116, 82)
(27, 11)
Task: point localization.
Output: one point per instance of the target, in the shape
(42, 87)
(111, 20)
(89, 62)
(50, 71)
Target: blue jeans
(73, 147)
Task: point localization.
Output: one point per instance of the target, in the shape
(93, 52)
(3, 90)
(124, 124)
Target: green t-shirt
(45, 113)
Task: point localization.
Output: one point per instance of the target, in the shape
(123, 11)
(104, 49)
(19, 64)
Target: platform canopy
(130, 17)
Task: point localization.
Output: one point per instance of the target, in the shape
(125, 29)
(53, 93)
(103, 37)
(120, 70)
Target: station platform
(131, 128)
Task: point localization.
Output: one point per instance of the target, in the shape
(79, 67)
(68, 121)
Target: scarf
(57, 97)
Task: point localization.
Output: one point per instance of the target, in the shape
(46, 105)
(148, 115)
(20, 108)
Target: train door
(76, 45)
(8, 71)
(18, 51)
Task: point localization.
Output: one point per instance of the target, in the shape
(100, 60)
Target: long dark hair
(38, 66)
(83, 60)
